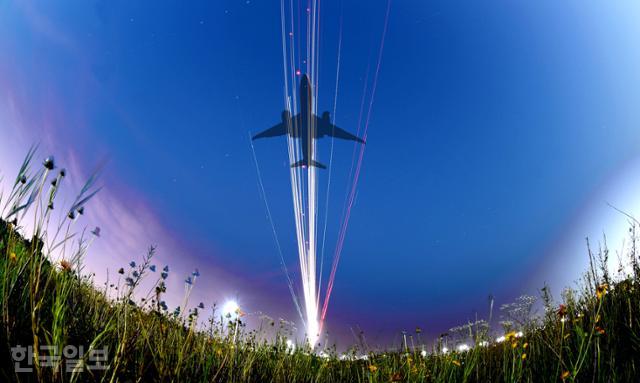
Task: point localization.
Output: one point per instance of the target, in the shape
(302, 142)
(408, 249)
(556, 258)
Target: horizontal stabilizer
(306, 163)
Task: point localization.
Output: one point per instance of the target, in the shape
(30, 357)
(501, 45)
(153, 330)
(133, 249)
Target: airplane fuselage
(307, 126)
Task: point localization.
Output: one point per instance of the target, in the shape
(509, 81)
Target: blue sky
(499, 130)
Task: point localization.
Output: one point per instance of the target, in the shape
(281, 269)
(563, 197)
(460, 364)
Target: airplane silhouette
(306, 125)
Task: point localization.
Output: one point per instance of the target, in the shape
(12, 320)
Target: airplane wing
(277, 130)
(328, 129)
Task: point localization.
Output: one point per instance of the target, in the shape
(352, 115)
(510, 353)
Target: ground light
(231, 310)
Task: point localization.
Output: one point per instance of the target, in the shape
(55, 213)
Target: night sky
(499, 132)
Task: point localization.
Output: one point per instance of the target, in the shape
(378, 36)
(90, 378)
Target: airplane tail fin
(305, 163)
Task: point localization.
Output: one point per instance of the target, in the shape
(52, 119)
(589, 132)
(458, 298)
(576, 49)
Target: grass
(45, 299)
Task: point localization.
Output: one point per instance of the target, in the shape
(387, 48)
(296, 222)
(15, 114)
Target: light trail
(333, 121)
(352, 194)
(274, 232)
(304, 187)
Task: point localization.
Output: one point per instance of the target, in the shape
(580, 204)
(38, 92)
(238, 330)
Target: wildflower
(525, 345)
(599, 330)
(514, 344)
(135, 274)
(63, 172)
(96, 232)
(457, 363)
(188, 281)
(129, 281)
(195, 273)
(152, 268)
(163, 305)
(121, 271)
(201, 306)
(23, 179)
(165, 269)
(418, 330)
(54, 182)
(602, 290)
(71, 215)
(524, 356)
(564, 375)
(373, 368)
(12, 257)
(510, 335)
(81, 210)
(132, 264)
(176, 312)
(161, 288)
(164, 275)
(65, 265)
(49, 163)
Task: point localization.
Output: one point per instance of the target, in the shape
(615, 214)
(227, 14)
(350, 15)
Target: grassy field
(46, 302)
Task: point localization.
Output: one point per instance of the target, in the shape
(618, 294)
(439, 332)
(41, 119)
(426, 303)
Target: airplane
(306, 125)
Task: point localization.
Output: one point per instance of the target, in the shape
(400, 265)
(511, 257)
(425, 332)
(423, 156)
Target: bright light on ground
(423, 353)
(313, 328)
(291, 347)
(231, 309)
(463, 347)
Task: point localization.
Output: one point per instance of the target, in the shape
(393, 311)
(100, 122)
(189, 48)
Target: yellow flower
(510, 335)
(373, 368)
(219, 352)
(12, 257)
(525, 345)
(564, 375)
(602, 290)
(456, 362)
(524, 356)
(514, 344)
(599, 330)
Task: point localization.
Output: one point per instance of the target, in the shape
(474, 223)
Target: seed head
(65, 265)
(49, 163)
